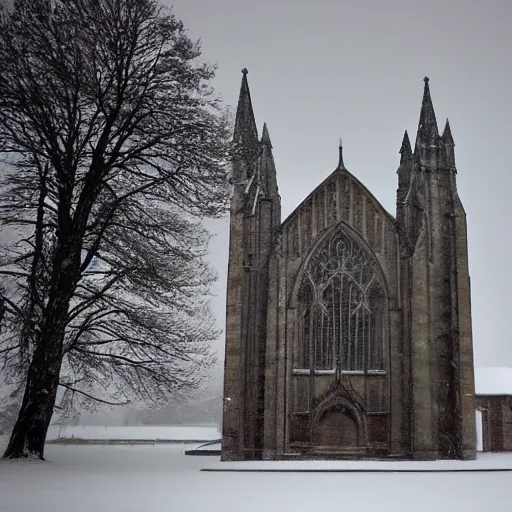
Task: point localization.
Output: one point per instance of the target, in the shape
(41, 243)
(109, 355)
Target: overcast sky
(324, 69)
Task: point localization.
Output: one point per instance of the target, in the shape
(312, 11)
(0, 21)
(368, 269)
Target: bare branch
(95, 398)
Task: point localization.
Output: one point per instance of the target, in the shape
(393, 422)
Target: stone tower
(348, 331)
(255, 217)
(437, 309)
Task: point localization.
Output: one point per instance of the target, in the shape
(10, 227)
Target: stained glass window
(342, 307)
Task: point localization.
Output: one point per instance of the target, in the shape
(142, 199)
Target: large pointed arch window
(341, 308)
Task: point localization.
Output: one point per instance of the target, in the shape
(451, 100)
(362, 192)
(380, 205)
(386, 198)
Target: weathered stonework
(348, 332)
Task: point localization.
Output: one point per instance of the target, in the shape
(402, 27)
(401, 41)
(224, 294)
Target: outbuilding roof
(493, 381)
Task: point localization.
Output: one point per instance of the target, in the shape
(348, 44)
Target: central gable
(340, 198)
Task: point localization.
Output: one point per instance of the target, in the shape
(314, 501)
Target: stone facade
(348, 331)
(496, 417)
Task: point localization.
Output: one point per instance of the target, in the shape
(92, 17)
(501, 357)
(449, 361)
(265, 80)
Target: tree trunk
(29, 433)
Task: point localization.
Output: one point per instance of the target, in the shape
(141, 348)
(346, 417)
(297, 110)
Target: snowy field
(147, 478)
(146, 433)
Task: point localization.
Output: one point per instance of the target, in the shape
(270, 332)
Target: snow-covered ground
(484, 462)
(161, 478)
(151, 433)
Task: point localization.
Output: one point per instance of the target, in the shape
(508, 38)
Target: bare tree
(114, 148)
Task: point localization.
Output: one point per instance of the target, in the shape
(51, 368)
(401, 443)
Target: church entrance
(338, 429)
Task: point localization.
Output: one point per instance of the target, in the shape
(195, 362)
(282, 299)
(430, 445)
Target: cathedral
(348, 329)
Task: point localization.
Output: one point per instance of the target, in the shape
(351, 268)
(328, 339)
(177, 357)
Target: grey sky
(354, 69)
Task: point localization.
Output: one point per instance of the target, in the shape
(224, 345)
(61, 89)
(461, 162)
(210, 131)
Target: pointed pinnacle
(447, 134)
(265, 137)
(427, 126)
(245, 124)
(405, 149)
(341, 165)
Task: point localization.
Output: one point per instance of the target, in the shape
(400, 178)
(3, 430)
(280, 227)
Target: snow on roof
(493, 381)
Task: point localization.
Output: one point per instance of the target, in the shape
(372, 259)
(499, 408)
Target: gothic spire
(447, 134)
(267, 172)
(427, 127)
(245, 124)
(267, 160)
(265, 137)
(405, 150)
(341, 165)
(449, 146)
(245, 137)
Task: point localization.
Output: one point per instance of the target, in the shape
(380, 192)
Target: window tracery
(342, 306)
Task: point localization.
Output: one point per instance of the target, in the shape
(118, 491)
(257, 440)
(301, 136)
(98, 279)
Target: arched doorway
(338, 429)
